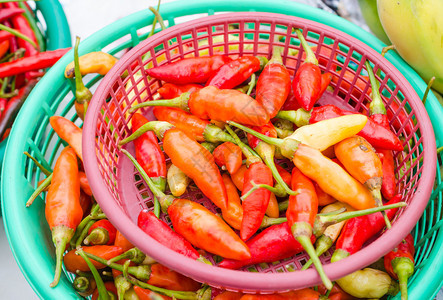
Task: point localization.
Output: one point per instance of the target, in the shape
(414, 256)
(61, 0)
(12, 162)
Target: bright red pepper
(189, 70)
(170, 90)
(144, 294)
(234, 72)
(228, 155)
(5, 35)
(101, 232)
(272, 244)
(4, 46)
(74, 262)
(7, 13)
(273, 85)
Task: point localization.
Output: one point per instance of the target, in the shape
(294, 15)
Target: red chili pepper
(233, 214)
(63, 211)
(273, 85)
(272, 244)
(234, 72)
(40, 60)
(162, 233)
(303, 294)
(84, 184)
(101, 232)
(74, 262)
(227, 295)
(325, 81)
(291, 102)
(5, 35)
(13, 106)
(189, 70)
(229, 156)
(238, 178)
(4, 46)
(21, 24)
(7, 13)
(166, 278)
(359, 230)
(211, 103)
(285, 175)
(110, 287)
(196, 128)
(85, 203)
(13, 44)
(148, 153)
(399, 263)
(170, 90)
(144, 294)
(69, 132)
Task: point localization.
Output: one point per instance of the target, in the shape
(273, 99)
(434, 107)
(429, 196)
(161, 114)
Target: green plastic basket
(27, 229)
(52, 20)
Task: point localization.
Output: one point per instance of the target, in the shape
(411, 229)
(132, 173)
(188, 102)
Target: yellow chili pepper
(94, 62)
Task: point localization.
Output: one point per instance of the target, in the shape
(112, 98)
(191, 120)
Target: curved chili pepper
(323, 198)
(110, 287)
(399, 263)
(229, 156)
(101, 232)
(272, 244)
(178, 181)
(74, 262)
(164, 277)
(301, 213)
(196, 128)
(361, 161)
(145, 294)
(238, 178)
(189, 70)
(7, 13)
(215, 104)
(273, 85)
(93, 62)
(84, 184)
(13, 106)
(69, 132)
(148, 153)
(122, 242)
(235, 72)
(162, 233)
(359, 230)
(63, 211)
(170, 90)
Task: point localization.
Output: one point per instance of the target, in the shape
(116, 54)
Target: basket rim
(239, 279)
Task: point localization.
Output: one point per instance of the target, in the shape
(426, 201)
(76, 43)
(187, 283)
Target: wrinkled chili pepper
(178, 181)
(301, 213)
(235, 72)
(41, 60)
(101, 232)
(196, 128)
(272, 244)
(220, 105)
(93, 62)
(399, 263)
(228, 156)
(69, 132)
(13, 106)
(63, 211)
(170, 90)
(189, 70)
(273, 85)
(74, 262)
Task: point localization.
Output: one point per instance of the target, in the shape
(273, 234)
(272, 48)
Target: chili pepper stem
(322, 222)
(214, 134)
(98, 236)
(61, 235)
(259, 186)
(133, 254)
(179, 102)
(39, 165)
(428, 88)
(159, 128)
(404, 268)
(165, 200)
(82, 94)
(39, 190)
(251, 84)
(103, 293)
(299, 117)
(18, 34)
(321, 246)
(282, 206)
(376, 106)
(310, 56)
(122, 284)
(301, 232)
(267, 221)
(158, 16)
(377, 197)
(251, 156)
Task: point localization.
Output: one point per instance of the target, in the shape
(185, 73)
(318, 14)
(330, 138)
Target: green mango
(415, 27)
(369, 11)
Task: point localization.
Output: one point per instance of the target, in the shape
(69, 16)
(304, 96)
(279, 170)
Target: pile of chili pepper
(23, 59)
(335, 186)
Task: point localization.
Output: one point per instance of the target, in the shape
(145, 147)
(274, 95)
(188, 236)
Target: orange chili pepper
(164, 277)
(144, 294)
(69, 132)
(84, 184)
(227, 295)
(272, 209)
(109, 285)
(238, 178)
(228, 155)
(233, 214)
(303, 294)
(74, 262)
(323, 198)
(4, 46)
(170, 90)
(63, 211)
(122, 242)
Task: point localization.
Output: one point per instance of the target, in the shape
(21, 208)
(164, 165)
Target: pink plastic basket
(122, 195)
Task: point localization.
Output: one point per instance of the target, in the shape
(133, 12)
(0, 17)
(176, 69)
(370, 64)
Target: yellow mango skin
(415, 27)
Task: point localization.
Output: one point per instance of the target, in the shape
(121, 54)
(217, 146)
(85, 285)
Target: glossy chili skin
(162, 233)
(197, 163)
(307, 85)
(273, 86)
(192, 125)
(233, 214)
(166, 278)
(74, 262)
(234, 72)
(189, 70)
(267, 129)
(205, 230)
(238, 178)
(285, 175)
(170, 90)
(148, 153)
(4, 35)
(256, 204)
(106, 226)
(4, 46)
(227, 105)
(404, 249)
(272, 244)
(323, 198)
(376, 135)
(359, 230)
(122, 242)
(6, 13)
(69, 132)
(144, 294)
(228, 155)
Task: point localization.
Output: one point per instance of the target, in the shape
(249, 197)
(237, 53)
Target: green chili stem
(310, 56)
(33, 24)
(155, 21)
(39, 165)
(251, 84)
(377, 106)
(102, 291)
(18, 34)
(283, 205)
(158, 16)
(39, 190)
(430, 83)
(267, 139)
(250, 154)
(176, 294)
(159, 127)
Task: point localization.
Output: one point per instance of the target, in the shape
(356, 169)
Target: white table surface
(84, 17)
